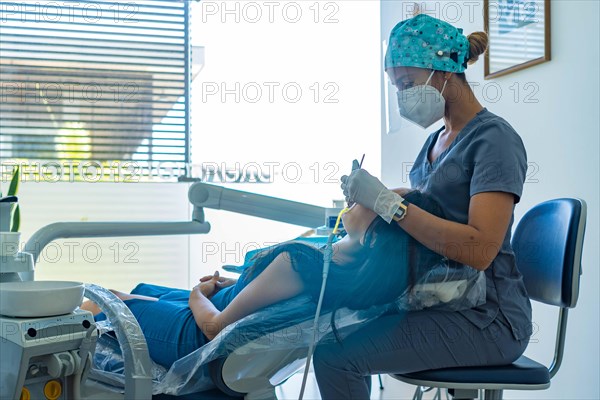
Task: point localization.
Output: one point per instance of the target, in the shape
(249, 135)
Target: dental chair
(247, 359)
(547, 242)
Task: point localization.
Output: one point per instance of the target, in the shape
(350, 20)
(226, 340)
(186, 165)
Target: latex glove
(361, 187)
(365, 189)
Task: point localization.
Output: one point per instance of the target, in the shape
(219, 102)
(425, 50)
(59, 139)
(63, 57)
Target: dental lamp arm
(65, 230)
(201, 195)
(216, 197)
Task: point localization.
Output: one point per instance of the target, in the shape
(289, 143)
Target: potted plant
(9, 209)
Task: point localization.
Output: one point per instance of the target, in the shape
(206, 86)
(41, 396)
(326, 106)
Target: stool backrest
(547, 243)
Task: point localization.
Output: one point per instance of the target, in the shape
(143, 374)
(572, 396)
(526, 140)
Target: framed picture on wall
(519, 33)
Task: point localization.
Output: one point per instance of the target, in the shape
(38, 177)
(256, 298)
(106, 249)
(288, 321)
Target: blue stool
(547, 243)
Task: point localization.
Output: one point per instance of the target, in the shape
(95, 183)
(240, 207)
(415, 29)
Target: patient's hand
(208, 285)
(208, 289)
(211, 284)
(221, 282)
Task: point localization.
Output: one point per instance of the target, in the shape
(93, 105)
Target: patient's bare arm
(279, 281)
(205, 313)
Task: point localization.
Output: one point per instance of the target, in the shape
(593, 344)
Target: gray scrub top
(486, 156)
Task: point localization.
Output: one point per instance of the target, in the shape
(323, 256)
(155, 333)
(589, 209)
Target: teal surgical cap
(427, 42)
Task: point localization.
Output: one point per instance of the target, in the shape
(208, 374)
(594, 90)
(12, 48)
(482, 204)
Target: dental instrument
(359, 167)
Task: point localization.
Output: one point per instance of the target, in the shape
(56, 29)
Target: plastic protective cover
(283, 326)
(445, 286)
(130, 336)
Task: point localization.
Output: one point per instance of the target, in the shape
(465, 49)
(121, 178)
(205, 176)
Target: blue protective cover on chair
(523, 371)
(544, 243)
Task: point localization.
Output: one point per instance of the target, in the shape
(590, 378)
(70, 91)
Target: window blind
(104, 81)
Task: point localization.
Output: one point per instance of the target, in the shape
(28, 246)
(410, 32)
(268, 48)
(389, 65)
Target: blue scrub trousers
(415, 341)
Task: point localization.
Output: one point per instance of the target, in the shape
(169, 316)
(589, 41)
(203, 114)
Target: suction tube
(327, 256)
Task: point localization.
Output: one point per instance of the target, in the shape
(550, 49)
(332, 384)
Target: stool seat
(520, 374)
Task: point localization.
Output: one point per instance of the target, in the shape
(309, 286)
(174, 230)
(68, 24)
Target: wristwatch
(401, 211)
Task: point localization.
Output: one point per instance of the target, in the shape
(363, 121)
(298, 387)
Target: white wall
(560, 133)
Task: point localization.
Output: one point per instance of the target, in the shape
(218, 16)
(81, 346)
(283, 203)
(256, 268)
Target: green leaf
(16, 219)
(14, 183)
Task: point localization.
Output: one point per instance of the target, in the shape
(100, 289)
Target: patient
(370, 266)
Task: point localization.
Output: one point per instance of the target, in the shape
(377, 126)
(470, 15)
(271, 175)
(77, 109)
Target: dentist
(474, 166)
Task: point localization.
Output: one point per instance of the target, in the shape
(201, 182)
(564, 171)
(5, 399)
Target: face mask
(423, 104)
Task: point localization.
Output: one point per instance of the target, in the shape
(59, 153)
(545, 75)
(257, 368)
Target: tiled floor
(393, 389)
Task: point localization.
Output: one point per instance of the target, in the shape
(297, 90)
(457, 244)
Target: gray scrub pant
(415, 341)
